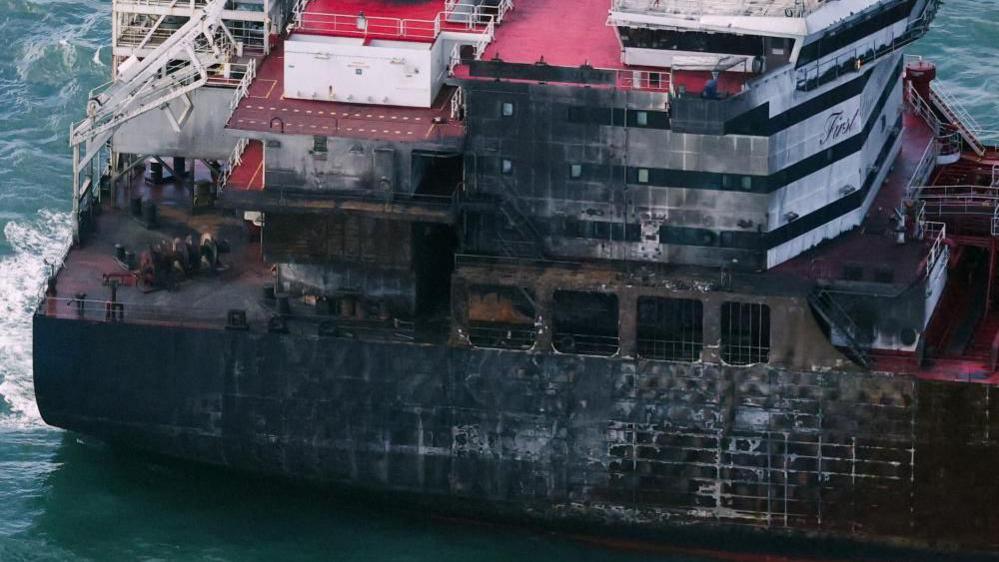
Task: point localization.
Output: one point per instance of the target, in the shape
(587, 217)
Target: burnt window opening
(320, 144)
(436, 173)
(853, 272)
(501, 317)
(670, 329)
(600, 230)
(585, 323)
(745, 333)
(884, 274)
(506, 109)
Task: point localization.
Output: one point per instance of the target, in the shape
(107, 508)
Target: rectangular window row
(587, 323)
(618, 117)
(601, 230)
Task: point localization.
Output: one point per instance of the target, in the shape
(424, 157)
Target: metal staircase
(968, 127)
(179, 65)
(529, 242)
(825, 305)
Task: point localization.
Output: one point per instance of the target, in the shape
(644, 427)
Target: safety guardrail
(235, 159)
(243, 88)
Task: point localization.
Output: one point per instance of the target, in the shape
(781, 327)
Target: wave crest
(35, 243)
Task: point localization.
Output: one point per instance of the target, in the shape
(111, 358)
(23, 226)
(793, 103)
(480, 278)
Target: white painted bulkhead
(355, 70)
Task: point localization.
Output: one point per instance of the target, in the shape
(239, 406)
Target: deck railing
(975, 136)
(243, 88)
(235, 159)
(954, 200)
(96, 310)
(105, 311)
(189, 4)
(697, 8)
(937, 231)
(921, 174)
(458, 10)
(922, 109)
(360, 25)
(647, 80)
(457, 16)
(819, 72)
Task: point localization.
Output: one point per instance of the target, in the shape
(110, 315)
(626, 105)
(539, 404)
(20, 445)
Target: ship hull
(602, 443)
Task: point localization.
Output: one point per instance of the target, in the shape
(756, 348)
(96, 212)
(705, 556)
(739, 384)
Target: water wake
(35, 244)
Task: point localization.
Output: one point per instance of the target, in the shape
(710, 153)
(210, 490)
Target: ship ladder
(840, 322)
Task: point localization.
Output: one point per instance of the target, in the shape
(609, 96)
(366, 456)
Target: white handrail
(243, 89)
(921, 174)
(923, 109)
(235, 159)
(938, 248)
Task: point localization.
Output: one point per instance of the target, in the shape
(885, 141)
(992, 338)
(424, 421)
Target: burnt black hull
(579, 442)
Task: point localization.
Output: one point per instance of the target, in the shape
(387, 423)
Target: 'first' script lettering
(839, 125)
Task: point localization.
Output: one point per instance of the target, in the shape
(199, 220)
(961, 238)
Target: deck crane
(180, 65)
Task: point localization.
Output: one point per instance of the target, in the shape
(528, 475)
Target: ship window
(670, 329)
(501, 317)
(320, 144)
(585, 323)
(853, 272)
(507, 110)
(506, 166)
(745, 333)
(359, 71)
(642, 118)
(576, 171)
(747, 183)
(643, 175)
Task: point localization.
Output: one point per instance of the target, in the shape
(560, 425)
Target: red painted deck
(415, 20)
(577, 34)
(873, 245)
(564, 34)
(265, 109)
(249, 174)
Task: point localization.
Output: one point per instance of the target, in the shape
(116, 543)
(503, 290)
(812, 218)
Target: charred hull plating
(648, 272)
(561, 439)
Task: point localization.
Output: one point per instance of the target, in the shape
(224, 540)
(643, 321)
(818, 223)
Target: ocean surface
(64, 498)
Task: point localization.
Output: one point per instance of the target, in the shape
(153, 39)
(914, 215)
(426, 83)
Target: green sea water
(64, 498)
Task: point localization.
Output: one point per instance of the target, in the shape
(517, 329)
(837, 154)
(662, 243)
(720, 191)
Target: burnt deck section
(205, 298)
(202, 298)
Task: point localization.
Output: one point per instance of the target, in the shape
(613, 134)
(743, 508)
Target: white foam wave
(35, 244)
